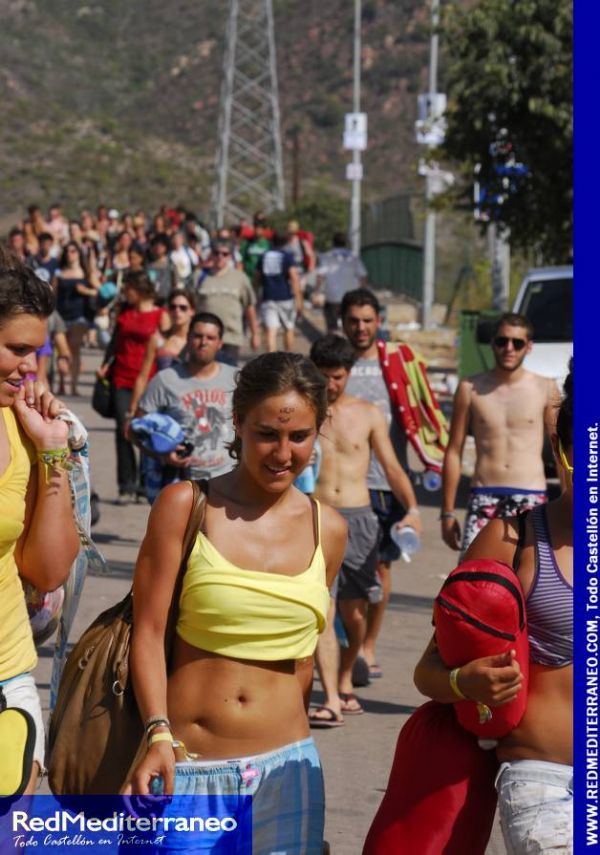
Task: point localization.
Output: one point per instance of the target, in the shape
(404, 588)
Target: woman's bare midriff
(221, 707)
(546, 729)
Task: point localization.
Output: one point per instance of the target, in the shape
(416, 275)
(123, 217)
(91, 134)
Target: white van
(545, 297)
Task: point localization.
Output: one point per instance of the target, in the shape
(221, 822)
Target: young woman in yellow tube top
(254, 599)
(38, 539)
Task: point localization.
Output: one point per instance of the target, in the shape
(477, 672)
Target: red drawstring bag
(440, 796)
(480, 611)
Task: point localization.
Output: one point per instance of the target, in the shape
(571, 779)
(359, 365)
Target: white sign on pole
(355, 131)
(354, 171)
(431, 124)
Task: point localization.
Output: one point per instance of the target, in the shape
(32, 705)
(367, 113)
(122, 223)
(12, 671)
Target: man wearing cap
(197, 394)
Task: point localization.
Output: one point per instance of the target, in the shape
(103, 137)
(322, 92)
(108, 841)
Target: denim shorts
(21, 692)
(535, 800)
(288, 796)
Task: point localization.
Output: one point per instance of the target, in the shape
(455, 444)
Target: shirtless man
(353, 428)
(506, 409)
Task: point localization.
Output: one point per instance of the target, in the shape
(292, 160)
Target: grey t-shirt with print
(202, 408)
(366, 382)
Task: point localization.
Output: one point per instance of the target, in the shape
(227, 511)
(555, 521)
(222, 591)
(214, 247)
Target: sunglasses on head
(503, 340)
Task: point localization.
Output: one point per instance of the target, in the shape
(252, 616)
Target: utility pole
(429, 237)
(355, 225)
(249, 168)
(295, 165)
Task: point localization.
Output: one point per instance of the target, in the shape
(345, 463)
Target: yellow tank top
(251, 614)
(17, 650)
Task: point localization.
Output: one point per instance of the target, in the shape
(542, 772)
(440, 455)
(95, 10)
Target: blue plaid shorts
(288, 796)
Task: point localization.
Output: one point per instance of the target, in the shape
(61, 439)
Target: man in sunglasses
(506, 409)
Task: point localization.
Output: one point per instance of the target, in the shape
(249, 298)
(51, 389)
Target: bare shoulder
(359, 411)
(334, 536)
(497, 540)
(171, 511)
(478, 383)
(333, 524)
(358, 404)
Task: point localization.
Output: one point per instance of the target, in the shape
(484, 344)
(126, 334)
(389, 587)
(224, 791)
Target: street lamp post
(355, 225)
(429, 236)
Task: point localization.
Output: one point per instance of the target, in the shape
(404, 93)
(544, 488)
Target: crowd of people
(177, 311)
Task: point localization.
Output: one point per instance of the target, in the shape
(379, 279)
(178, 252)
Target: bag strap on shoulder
(196, 518)
(194, 523)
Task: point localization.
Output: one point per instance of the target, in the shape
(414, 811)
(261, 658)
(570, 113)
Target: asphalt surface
(356, 757)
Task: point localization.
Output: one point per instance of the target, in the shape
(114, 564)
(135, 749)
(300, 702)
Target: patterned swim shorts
(490, 503)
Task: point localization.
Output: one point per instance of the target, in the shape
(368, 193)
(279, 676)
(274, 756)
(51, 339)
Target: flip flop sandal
(350, 698)
(325, 721)
(375, 672)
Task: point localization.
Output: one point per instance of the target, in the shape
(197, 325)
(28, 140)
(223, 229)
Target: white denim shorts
(21, 692)
(535, 800)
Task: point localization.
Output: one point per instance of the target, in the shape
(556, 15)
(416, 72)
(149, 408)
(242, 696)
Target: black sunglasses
(503, 340)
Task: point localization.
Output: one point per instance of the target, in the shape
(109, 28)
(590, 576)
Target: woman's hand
(102, 372)
(37, 409)
(159, 762)
(491, 680)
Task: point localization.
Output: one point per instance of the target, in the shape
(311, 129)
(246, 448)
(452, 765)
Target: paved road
(356, 757)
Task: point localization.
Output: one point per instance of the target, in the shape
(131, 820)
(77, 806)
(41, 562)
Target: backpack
(440, 796)
(95, 728)
(480, 611)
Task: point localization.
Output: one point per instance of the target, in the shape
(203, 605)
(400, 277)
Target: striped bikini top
(549, 602)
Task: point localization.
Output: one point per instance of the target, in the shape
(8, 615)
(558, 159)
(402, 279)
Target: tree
(321, 212)
(510, 73)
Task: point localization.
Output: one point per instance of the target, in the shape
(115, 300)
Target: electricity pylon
(249, 164)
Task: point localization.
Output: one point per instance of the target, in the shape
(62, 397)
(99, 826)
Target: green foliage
(510, 66)
(321, 212)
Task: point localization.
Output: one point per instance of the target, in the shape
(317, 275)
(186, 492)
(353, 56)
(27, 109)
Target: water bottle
(407, 540)
(431, 480)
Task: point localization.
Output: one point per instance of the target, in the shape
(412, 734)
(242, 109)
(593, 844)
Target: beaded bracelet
(55, 458)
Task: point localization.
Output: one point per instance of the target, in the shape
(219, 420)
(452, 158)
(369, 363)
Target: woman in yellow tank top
(232, 708)
(38, 539)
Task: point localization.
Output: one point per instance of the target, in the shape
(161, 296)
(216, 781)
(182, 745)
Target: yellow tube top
(17, 651)
(251, 614)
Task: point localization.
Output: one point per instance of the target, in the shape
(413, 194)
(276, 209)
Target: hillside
(117, 100)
